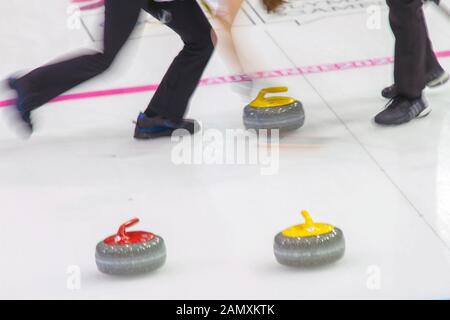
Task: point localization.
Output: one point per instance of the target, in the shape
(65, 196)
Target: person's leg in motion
(408, 25)
(45, 83)
(168, 106)
(224, 12)
(435, 74)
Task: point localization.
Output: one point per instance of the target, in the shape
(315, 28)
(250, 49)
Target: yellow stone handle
(308, 228)
(262, 94)
(262, 101)
(308, 220)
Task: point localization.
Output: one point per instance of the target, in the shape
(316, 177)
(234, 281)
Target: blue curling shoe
(153, 127)
(19, 106)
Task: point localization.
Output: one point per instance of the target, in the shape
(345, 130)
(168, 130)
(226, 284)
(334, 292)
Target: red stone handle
(122, 233)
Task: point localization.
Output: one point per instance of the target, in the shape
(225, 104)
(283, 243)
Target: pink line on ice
(280, 73)
(93, 4)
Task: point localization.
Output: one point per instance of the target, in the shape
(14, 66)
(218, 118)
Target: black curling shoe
(400, 110)
(438, 78)
(389, 92)
(153, 127)
(434, 79)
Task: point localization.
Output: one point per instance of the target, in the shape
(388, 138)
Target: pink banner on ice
(297, 71)
(85, 5)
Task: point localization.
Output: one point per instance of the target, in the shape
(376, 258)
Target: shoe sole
(424, 113)
(139, 135)
(431, 85)
(439, 81)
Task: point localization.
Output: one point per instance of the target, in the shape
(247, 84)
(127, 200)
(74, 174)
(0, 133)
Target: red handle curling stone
(128, 253)
(123, 237)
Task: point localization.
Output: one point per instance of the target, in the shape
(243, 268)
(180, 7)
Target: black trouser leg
(410, 66)
(47, 82)
(181, 79)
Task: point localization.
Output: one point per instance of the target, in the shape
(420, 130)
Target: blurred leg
(47, 82)
(181, 79)
(226, 16)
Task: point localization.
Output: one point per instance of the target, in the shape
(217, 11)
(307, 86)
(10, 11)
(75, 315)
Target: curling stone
(129, 253)
(282, 113)
(309, 244)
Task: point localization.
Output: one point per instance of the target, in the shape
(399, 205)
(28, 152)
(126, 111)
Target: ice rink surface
(82, 174)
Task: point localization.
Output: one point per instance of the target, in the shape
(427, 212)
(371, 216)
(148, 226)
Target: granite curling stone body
(129, 253)
(282, 113)
(309, 244)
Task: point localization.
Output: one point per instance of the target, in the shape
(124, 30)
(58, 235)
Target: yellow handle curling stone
(274, 112)
(309, 244)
